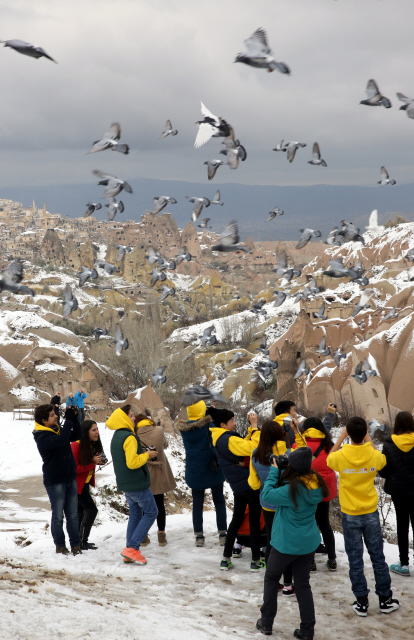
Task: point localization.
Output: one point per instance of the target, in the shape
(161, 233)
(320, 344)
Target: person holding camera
(59, 472)
(398, 450)
(285, 412)
(314, 434)
(152, 436)
(88, 452)
(202, 470)
(133, 478)
(295, 489)
(233, 454)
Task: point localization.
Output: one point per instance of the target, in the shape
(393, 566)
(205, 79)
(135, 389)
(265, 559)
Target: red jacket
(82, 472)
(319, 464)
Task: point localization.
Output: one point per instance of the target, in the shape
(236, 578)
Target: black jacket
(399, 470)
(59, 465)
(55, 401)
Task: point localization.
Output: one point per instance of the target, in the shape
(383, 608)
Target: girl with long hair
(315, 435)
(87, 453)
(295, 492)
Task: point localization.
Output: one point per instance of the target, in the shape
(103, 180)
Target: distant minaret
(45, 215)
(34, 206)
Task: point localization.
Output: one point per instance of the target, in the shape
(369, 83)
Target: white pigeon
(110, 140)
(211, 126)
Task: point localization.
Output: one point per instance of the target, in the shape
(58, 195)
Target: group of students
(283, 473)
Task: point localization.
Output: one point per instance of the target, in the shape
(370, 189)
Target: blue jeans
(81, 414)
(219, 504)
(142, 514)
(357, 530)
(64, 500)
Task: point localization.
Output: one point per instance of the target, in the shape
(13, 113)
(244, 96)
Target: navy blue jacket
(199, 454)
(233, 466)
(59, 465)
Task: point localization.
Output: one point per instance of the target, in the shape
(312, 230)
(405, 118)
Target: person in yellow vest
(285, 412)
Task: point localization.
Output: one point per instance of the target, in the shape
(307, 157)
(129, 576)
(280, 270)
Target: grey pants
(276, 566)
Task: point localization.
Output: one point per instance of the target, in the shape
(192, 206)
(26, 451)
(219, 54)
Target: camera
(281, 461)
(103, 457)
(152, 448)
(334, 405)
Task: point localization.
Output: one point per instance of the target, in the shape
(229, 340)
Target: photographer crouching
(295, 489)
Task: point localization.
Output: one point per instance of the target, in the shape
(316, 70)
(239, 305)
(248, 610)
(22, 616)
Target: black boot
(267, 631)
(85, 529)
(298, 634)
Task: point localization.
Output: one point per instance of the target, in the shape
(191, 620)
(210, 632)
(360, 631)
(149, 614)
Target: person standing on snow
(79, 398)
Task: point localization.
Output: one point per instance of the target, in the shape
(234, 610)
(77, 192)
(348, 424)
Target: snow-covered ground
(179, 595)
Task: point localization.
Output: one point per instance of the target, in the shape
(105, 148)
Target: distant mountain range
(317, 207)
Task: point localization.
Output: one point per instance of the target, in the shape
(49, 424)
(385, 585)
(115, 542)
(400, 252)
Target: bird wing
(13, 273)
(197, 209)
(102, 174)
(372, 89)
(358, 369)
(160, 371)
(322, 309)
(403, 98)
(159, 204)
(114, 132)
(322, 344)
(207, 114)
(232, 158)
(118, 333)
(384, 174)
(205, 132)
(291, 151)
(257, 42)
(217, 196)
(316, 153)
(230, 235)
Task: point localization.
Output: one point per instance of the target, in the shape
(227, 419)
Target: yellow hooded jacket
(119, 420)
(404, 441)
(357, 467)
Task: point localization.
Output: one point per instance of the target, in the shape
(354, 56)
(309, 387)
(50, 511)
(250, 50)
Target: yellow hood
(313, 433)
(216, 432)
(311, 482)
(197, 410)
(41, 427)
(279, 419)
(404, 441)
(145, 423)
(119, 420)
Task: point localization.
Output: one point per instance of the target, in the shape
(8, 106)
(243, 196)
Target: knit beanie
(197, 411)
(301, 459)
(220, 415)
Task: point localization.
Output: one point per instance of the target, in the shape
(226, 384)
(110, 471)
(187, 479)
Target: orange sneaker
(133, 555)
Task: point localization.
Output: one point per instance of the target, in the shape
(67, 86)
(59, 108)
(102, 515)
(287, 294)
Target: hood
(358, 456)
(119, 420)
(314, 433)
(145, 423)
(41, 427)
(197, 410)
(182, 425)
(279, 419)
(216, 432)
(404, 441)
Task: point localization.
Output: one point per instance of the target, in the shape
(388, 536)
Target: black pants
(268, 518)
(301, 569)
(159, 501)
(404, 510)
(87, 512)
(322, 520)
(241, 500)
(219, 505)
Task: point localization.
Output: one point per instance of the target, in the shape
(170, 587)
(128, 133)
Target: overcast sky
(140, 62)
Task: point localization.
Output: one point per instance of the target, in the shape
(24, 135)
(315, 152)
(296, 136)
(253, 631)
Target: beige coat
(162, 479)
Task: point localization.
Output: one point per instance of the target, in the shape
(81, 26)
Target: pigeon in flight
(338, 270)
(166, 291)
(290, 273)
(98, 333)
(216, 199)
(301, 370)
(204, 224)
(259, 54)
(363, 371)
(237, 355)
(292, 147)
(313, 288)
(70, 303)
(212, 166)
(160, 202)
(120, 343)
(280, 146)
(207, 338)
(168, 131)
(366, 295)
(108, 267)
(350, 233)
(257, 308)
(110, 140)
(183, 256)
(332, 239)
(375, 425)
(280, 298)
(211, 127)
(316, 156)
(410, 255)
(374, 96)
(157, 377)
(157, 275)
(114, 207)
(197, 392)
(113, 184)
(11, 278)
(320, 314)
(338, 356)
(281, 265)
(385, 178)
(154, 256)
(122, 250)
(274, 213)
(27, 49)
(408, 107)
(86, 274)
(391, 314)
(233, 152)
(307, 234)
(199, 203)
(229, 239)
(262, 347)
(323, 349)
(92, 206)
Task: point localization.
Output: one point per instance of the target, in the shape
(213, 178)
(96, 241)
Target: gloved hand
(71, 414)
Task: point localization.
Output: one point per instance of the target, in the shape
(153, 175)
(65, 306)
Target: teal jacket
(294, 530)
